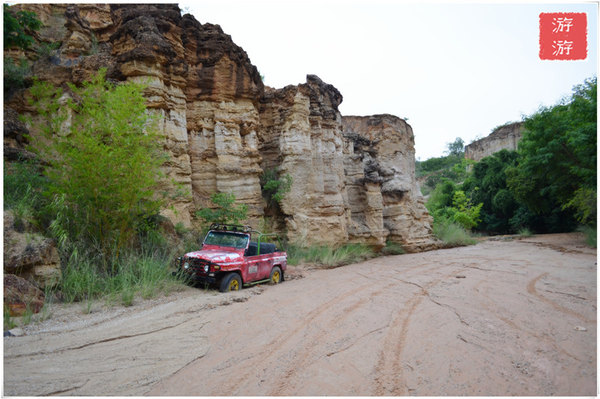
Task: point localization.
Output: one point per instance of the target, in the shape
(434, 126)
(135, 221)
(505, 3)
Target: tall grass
(525, 232)
(23, 186)
(143, 273)
(328, 256)
(392, 248)
(591, 235)
(452, 234)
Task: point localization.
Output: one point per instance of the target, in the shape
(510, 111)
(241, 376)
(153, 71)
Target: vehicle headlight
(186, 265)
(205, 268)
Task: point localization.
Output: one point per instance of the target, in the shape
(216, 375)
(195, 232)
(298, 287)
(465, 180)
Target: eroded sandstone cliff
(301, 136)
(353, 177)
(385, 201)
(504, 137)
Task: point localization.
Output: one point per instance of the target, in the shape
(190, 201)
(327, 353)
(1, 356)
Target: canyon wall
(353, 177)
(301, 136)
(504, 137)
(385, 201)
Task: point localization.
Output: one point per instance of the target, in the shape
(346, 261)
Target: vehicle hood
(215, 256)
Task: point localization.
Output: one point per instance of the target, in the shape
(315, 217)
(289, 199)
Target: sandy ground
(504, 317)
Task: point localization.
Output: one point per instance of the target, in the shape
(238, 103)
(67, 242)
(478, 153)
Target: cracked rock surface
(520, 320)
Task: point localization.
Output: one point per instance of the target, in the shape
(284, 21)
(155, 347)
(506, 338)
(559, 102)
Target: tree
(104, 166)
(487, 184)
(557, 168)
(225, 211)
(457, 147)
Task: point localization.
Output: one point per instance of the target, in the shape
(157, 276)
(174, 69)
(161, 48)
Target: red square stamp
(563, 36)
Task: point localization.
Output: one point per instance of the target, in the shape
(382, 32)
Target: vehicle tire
(231, 282)
(276, 275)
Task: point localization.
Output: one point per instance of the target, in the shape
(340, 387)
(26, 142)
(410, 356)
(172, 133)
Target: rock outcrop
(28, 254)
(222, 128)
(505, 137)
(385, 201)
(21, 296)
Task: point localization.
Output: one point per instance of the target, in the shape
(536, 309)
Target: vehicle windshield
(226, 239)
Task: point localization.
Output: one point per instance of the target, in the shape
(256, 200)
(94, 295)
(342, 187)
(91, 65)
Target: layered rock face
(301, 136)
(353, 177)
(385, 201)
(505, 137)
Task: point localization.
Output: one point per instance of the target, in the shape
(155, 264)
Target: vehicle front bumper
(202, 278)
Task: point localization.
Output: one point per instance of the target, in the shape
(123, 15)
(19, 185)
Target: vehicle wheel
(276, 276)
(231, 282)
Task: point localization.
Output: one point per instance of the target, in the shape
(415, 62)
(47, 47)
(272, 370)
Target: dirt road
(504, 317)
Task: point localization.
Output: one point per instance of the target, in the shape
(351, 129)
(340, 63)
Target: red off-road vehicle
(230, 259)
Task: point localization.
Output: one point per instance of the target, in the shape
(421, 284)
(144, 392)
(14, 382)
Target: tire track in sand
(533, 291)
(389, 372)
(266, 352)
(493, 310)
(304, 356)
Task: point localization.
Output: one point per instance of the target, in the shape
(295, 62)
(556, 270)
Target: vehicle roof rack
(231, 227)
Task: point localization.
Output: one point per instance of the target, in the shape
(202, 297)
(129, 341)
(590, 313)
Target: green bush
(275, 187)
(591, 235)
(104, 167)
(525, 232)
(452, 234)
(448, 203)
(15, 74)
(225, 211)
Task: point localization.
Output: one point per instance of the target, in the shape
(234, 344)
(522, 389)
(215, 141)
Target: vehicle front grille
(197, 265)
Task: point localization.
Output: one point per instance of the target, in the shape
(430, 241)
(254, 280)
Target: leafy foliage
(547, 186)
(583, 203)
(275, 187)
(463, 211)
(557, 169)
(448, 203)
(18, 27)
(437, 164)
(452, 166)
(225, 211)
(487, 184)
(105, 157)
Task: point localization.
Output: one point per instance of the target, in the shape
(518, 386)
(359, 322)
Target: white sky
(454, 70)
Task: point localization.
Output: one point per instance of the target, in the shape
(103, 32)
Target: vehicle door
(253, 268)
(264, 266)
